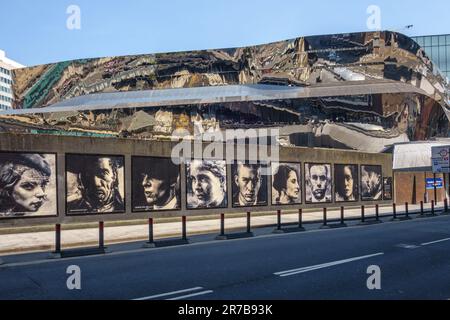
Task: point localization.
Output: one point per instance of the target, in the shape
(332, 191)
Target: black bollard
(394, 210)
(184, 228)
(222, 225)
(279, 220)
(377, 212)
(300, 218)
(342, 216)
(150, 231)
(363, 214)
(421, 208)
(101, 235)
(249, 222)
(325, 219)
(407, 210)
(57, 239)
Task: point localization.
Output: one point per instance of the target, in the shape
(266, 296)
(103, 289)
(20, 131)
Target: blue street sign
(431, 183)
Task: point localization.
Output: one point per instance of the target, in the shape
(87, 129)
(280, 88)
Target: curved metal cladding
(378, 86)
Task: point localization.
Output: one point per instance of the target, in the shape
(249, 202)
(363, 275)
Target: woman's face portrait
(29, 192)
(348, 182)
(293, 186)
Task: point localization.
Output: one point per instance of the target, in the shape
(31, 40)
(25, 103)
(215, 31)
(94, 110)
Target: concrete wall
(128, 148)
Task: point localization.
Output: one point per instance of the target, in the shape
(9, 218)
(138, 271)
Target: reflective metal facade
(362, 91)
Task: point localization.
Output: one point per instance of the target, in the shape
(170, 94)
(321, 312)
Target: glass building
(437, 48)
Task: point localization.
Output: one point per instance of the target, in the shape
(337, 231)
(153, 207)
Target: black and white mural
(286, 183)
(346, 182)
(318, 183)
(156, 184)
(94, 184)
(249, 185)
(206, 184)
(371, 183)
(27, 185)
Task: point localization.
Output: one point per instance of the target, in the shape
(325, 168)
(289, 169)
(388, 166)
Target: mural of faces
(286, 184)
(371, 183)
(346, 182)
(206, 184)
(318, 183)
(156, 184)
(95, 184)
(27, 185)
(249, 185)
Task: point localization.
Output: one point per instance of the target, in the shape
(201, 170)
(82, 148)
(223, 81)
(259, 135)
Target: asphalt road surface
(413, 257)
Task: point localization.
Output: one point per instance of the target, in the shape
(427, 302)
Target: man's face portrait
(207, 184)
(156, 184)
(154, 190)
(248, 181)
(27, 184)
(319, 182)
(100, 180)
(95, 184)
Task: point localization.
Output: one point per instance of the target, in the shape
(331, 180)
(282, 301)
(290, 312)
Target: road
(413, 257)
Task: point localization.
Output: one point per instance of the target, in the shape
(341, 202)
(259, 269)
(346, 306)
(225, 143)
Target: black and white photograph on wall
(371, 183)
(28, 185)
(206, 184)
(156, 184)
(95, 184)
(318, 183)
(387, 189)
(249, 185)
(286, 183)
(346, 182)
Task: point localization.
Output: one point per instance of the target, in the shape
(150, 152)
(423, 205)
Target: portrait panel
(206, 184)
(156, 184)
(371, 183)
(286, 183)
(318, 183)
(95, 184)
(28, 186)
(249, 183)
(346, 183)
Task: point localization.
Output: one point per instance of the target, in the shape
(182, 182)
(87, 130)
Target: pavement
(410, 258)
(45, 241)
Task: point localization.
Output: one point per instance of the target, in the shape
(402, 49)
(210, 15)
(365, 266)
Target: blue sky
(35, 32)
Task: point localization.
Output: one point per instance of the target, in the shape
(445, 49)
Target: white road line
(168, 294)
(325, 265)
(434, 242)
(191, 295)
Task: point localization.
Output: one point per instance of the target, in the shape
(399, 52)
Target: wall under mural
(27, 185)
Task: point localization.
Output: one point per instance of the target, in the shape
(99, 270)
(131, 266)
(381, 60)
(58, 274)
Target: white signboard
(441, 159)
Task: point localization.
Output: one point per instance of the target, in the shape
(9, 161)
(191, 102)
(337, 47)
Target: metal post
(363, 214)
(58, 239)
(101, 235)
(377, 212)
(184, 229)
(446, 205)
(342, 215)
(406, 209)
(421, 208)
(150, 231)
(222, 225)
(325, 220)
(300, 218)
(432, 207)
(249, 222)
(279, 220)
(394, 208)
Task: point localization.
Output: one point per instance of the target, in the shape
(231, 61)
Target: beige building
(6, 81)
